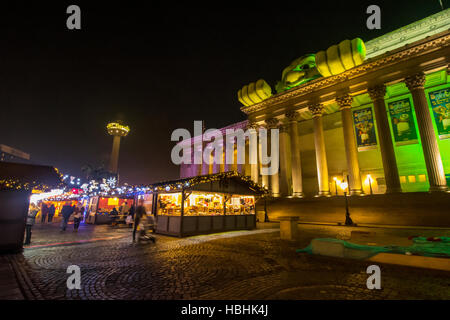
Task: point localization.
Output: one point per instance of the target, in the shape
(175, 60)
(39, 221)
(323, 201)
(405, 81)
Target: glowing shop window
(412, 179)
(199, 203)
(402, 179)
(241, 205)
(169, 204)
(422, 178)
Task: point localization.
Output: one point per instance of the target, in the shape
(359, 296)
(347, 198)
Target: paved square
(235, 265)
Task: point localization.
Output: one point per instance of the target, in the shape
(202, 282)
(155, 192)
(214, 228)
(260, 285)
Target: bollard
(288, 227)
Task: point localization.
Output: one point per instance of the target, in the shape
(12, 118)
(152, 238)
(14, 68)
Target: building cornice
(413, 32)
(419, 48)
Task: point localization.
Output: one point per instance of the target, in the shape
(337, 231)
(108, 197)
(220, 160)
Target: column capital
(344, 101)
(271, 123)
(292, 116)
(316, 109)
(283, 127)
(377, 92)
(252, 125)
(415, 81)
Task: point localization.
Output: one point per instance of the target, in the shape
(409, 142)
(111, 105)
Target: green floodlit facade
(330, 116)
(410, 158)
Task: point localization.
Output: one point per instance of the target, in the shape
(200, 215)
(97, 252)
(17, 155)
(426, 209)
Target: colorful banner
(440, 104)
(402, 121)
(366, 138)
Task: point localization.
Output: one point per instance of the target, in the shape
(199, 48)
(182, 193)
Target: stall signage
(402, 121)
(440, 104)
(366, 138)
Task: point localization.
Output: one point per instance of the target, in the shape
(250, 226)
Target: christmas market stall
(100, 207)
(204, 204)
(17, 182)
(58, 198)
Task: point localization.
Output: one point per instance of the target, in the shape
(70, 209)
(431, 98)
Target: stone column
(216, 166)
(239, 167)
(351, 152)
(226, 166)
(205, 165)
(433, 160)
(247, 170)
(384, 134)
(222, 166)
(285, 161)
(296, 165)
(274, 178)
(321, 155)
(264, 178)
(254, 168)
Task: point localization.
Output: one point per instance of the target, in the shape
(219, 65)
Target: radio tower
(117, 130)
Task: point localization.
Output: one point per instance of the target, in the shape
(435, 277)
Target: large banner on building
(402, 121)
(366, 138)
(440, 103)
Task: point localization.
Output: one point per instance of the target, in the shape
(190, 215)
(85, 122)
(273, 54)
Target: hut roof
(28, 176)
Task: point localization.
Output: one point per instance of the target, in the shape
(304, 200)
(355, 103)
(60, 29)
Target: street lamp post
(348, 220)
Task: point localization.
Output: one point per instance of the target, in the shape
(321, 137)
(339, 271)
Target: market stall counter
(99, 210)
(204, 204)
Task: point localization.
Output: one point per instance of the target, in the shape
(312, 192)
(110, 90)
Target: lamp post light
(369, 178)
(348, 220)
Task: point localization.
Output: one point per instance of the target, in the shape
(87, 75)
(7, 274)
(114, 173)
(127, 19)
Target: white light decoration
(112, 182)
(35, 198)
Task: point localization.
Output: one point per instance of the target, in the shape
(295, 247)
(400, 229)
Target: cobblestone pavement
(234, 265)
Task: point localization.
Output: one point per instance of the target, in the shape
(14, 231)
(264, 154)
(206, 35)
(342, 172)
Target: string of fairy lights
(73, 188)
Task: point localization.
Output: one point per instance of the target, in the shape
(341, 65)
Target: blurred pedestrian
(124, 209)
(129, 220)
(138, 216)
(132, 211)
(51, 212)
(66, 211)
(114, 216)
(32, 212)
(44, 212)
(77, 218)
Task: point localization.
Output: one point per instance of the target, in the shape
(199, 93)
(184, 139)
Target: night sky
(157, 67)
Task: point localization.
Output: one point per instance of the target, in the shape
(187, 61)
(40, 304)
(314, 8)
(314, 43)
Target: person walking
(114, 216)
(132, 209)
(77, 218)
(32, 212)
(139, 214)
(124, 209)
(51, 212)
(44, 212)
(129, 221)
(66, 211)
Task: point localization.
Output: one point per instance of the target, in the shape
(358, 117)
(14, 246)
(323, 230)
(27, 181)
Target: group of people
(66, 211)
(124, 211)
(135, 218)
(47, 211)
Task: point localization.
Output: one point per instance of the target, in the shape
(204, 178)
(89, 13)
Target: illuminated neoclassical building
(376, 112)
